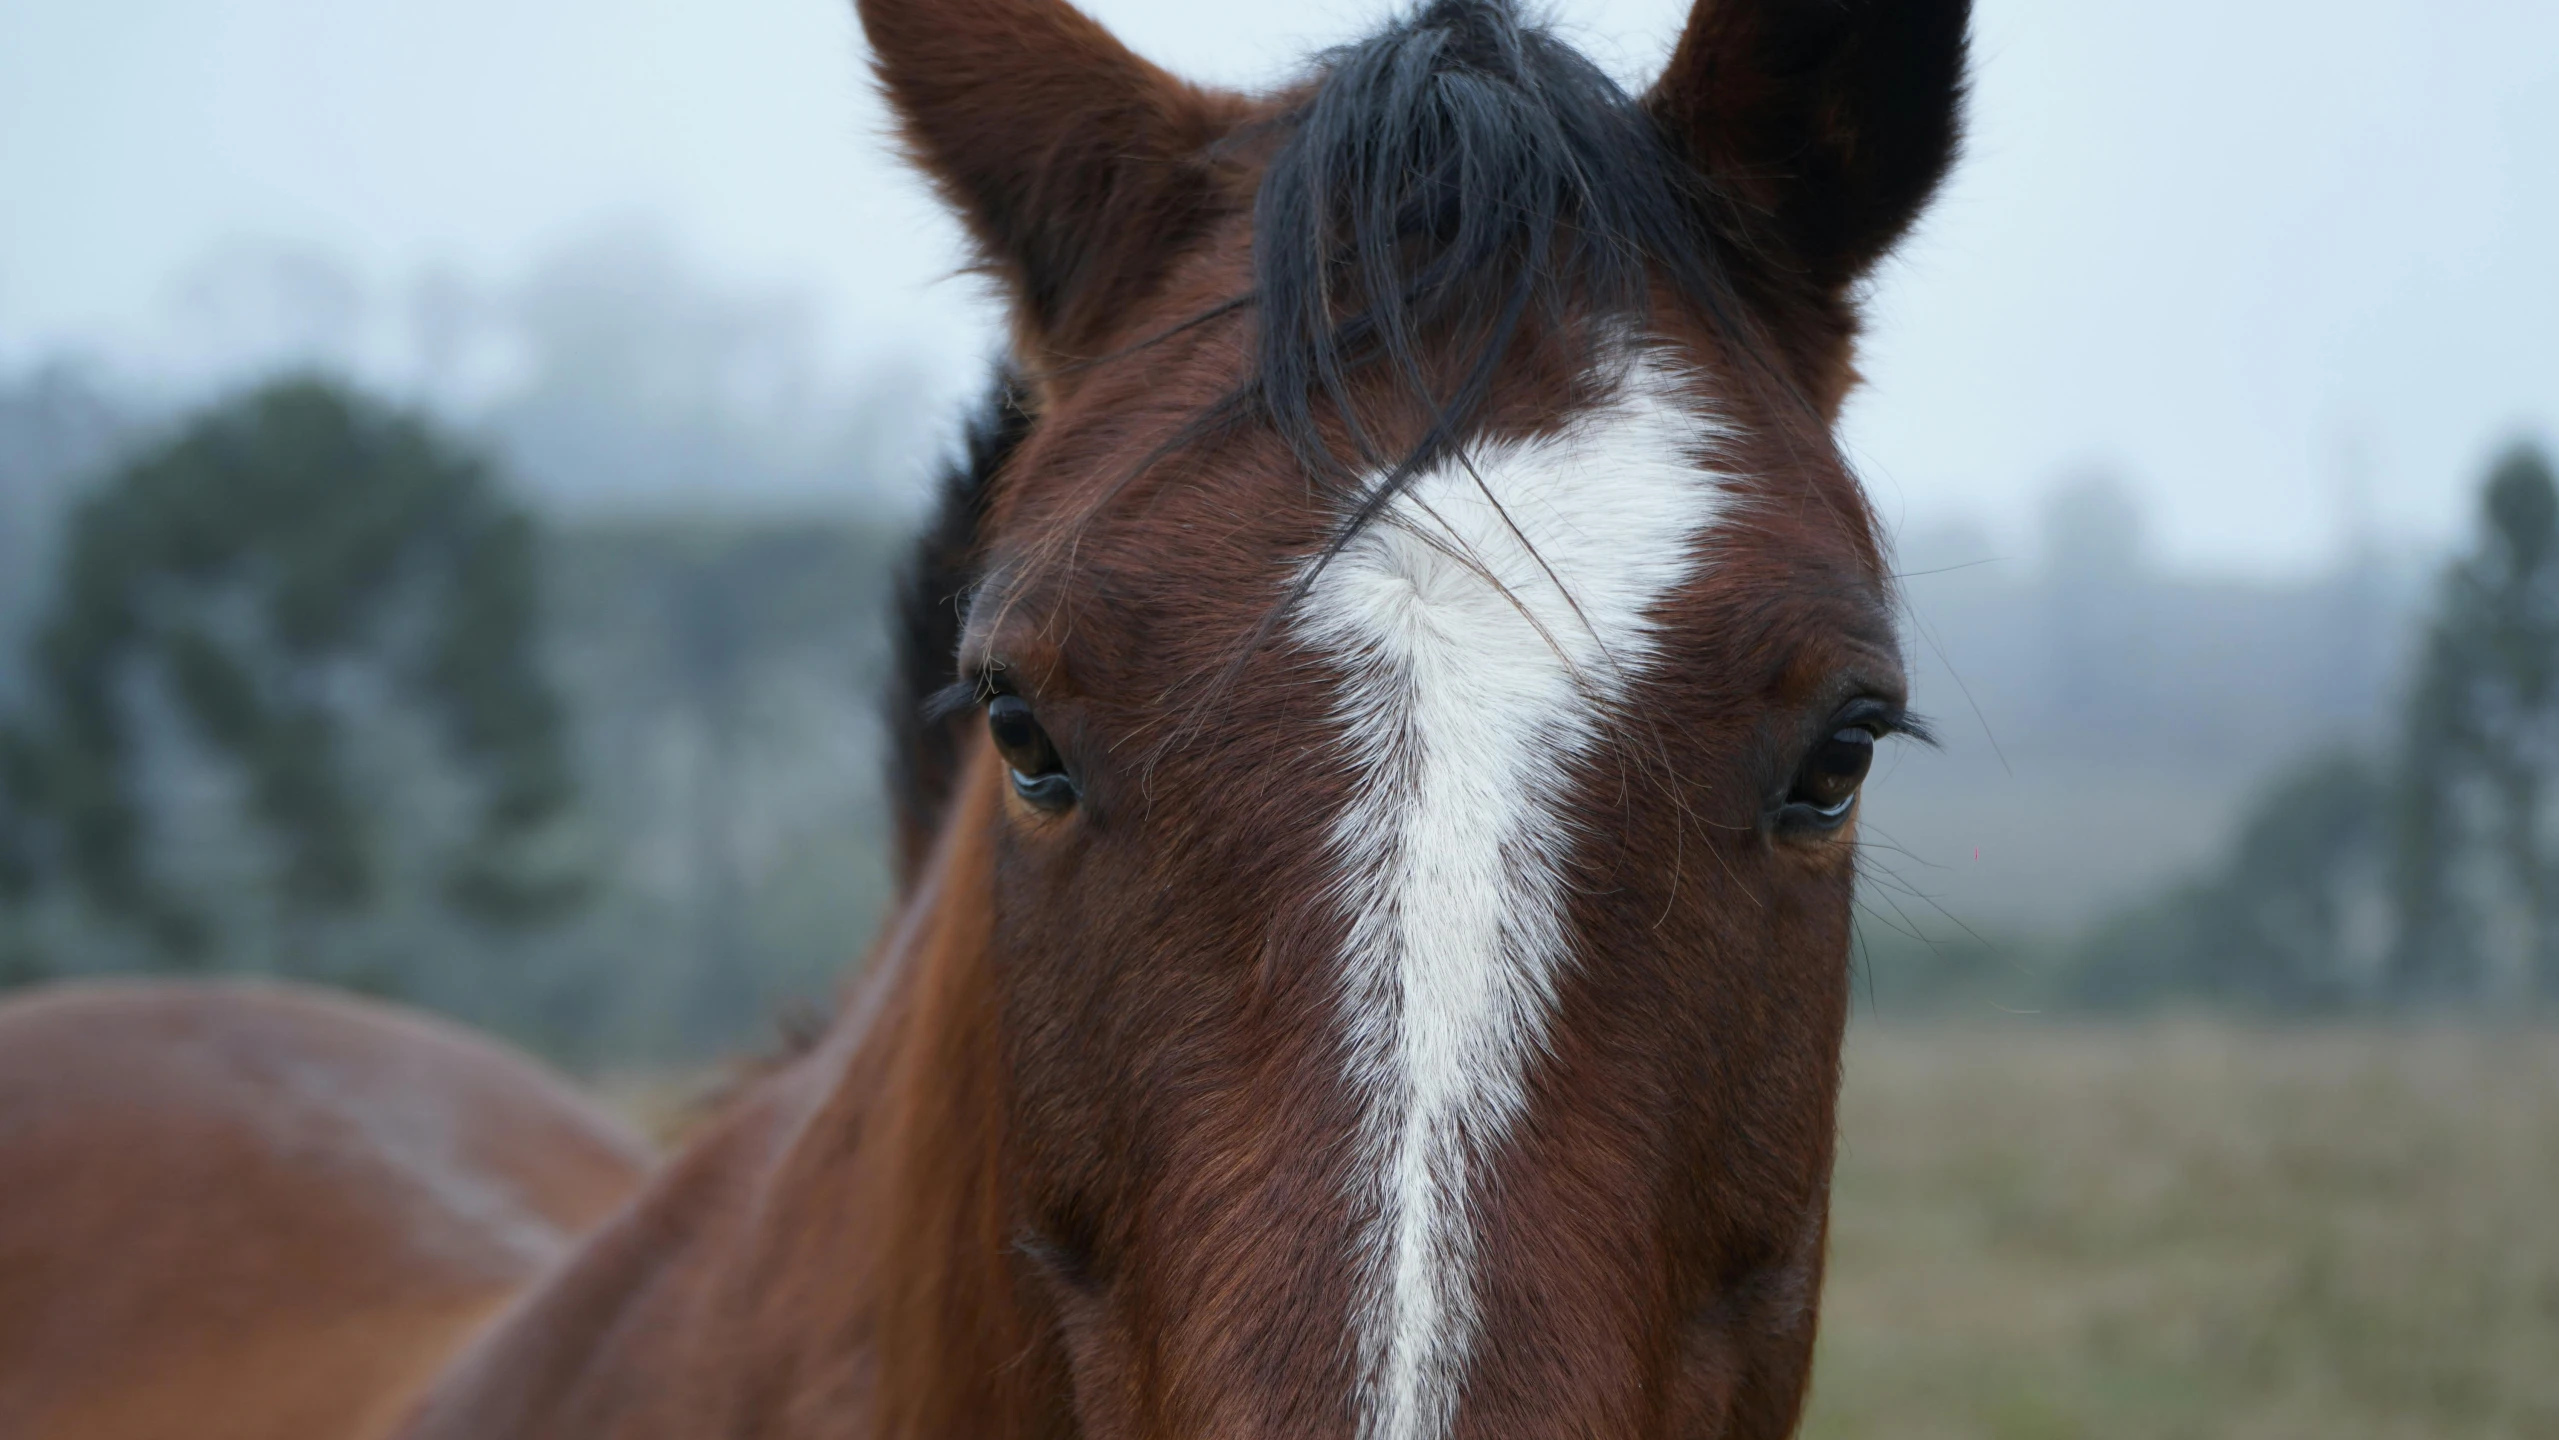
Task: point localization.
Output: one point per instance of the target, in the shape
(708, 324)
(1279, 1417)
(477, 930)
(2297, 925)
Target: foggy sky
(2285, 266)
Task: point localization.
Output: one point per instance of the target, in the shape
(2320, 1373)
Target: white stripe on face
(1486, 623)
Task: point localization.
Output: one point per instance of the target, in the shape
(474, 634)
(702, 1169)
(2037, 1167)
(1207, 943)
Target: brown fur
(1056, 145)
(1076, 1160)
(236, 1212)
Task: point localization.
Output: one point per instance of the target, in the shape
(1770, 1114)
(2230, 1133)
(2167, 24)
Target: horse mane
(932, 604)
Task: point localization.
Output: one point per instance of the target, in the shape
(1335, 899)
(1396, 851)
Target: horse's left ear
(1826, 123)
(1079, 168)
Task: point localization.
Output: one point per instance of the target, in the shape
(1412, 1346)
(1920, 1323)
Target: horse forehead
(1483, 628)
(1570, 536)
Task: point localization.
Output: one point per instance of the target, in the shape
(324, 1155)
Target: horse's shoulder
(302, 1085)
(651, 1327)
(309, 1198)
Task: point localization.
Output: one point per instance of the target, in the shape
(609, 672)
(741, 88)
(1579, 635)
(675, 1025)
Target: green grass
(2182, 1230)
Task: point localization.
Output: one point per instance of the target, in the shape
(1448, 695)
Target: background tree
(729, 671)
(294, 568)
(19, 960)
(2473, 875)
(2433, 879)
(2292, 921)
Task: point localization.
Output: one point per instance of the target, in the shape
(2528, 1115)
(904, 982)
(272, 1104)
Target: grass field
(2194, 1231)
(2045, 1231)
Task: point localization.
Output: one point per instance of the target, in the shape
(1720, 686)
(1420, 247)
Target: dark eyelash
(1912, 727)
(1886, 718)
(966, 693)
(955, 698)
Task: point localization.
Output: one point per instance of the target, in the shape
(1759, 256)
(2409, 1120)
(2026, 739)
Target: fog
(2281, 266)
(2179, 399)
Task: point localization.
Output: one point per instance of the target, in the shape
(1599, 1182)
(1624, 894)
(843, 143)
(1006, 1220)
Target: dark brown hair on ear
(1823, 125)
(1079, 168)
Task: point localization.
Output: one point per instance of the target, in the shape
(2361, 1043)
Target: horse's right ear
(1079, 169)
(1826, 123)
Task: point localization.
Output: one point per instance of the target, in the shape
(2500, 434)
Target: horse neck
(885, 1234)
(832, 1250)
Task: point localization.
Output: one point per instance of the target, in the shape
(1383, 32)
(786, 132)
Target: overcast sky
(2256, 257)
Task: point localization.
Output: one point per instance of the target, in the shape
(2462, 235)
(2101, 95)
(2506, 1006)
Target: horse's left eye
(1826, 787)
(1038, 775)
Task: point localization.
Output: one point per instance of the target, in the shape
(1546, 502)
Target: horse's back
(245, 1211)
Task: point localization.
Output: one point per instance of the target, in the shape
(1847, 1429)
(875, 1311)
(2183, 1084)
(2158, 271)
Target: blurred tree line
(2423, 875)
(301, 687)
(253, 583)
(309, 693)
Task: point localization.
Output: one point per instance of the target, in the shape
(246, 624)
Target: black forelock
(1446, 182)
(1441, 185)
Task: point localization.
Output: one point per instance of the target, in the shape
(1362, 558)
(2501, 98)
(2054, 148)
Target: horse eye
(1826, 787)
(1038, 775)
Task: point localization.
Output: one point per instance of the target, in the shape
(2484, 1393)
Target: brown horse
(1383, 716)
(240, 1212)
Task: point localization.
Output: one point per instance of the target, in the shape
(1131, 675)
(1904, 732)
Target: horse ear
(1826, 123)
(1078, 167)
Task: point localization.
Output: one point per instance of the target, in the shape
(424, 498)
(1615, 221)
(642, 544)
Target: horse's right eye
(1039, 777)
(1831, 775)
(1825, 787)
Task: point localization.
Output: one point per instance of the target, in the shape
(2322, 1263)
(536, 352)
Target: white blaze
(1487, 624)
